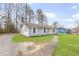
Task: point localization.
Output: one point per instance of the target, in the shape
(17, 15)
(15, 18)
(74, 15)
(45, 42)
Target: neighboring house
(61, 30)
(31, 29)
(75, 30)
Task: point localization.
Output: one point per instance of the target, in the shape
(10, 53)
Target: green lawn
(19, 38)
(68, 45)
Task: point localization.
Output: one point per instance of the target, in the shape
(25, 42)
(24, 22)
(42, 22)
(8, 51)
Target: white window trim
(35, 30)
(45, 30)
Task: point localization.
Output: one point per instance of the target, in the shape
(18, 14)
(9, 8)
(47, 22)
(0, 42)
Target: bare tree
(16, 12)
(55, 26)
(8, 18)
(0, 18)
(45, 19)
(40, 16)
(29, 13)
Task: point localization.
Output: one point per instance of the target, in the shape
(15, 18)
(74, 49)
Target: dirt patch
(28, 48)
(37, 49)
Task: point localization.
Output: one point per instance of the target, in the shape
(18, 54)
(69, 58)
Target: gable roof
(61, 28)
(30, 25)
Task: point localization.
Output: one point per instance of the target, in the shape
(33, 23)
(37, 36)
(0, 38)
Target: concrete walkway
(6, 46)
(48, 49)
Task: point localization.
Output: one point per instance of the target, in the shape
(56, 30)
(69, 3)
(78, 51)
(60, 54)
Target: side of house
(36, 29)
(39, 31)
(75, 30)
(24, 30)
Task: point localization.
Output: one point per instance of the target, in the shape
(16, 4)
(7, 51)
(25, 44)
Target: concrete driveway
(7, 48)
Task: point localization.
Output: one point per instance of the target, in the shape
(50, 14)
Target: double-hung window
(34, 30)
(44, 30)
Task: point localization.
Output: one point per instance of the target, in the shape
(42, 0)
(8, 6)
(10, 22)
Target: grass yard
(68, 45)
(43, 38)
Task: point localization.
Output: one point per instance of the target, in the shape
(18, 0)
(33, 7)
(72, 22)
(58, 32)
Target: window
(44, 30)
(34, 30)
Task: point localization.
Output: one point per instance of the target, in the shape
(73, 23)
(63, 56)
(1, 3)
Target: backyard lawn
(43, 38)
(68, 45)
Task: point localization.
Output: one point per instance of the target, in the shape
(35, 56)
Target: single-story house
(75, 30)
(61, 30)
(31, 29)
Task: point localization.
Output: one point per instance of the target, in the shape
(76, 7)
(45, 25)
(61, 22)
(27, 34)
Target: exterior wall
(40, 31)
(25, 31)
(49, 31)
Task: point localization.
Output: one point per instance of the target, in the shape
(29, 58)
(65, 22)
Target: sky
(65, 14)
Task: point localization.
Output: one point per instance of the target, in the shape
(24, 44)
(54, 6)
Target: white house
(31, 29)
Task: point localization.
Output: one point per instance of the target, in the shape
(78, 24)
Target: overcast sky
(64, 13)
